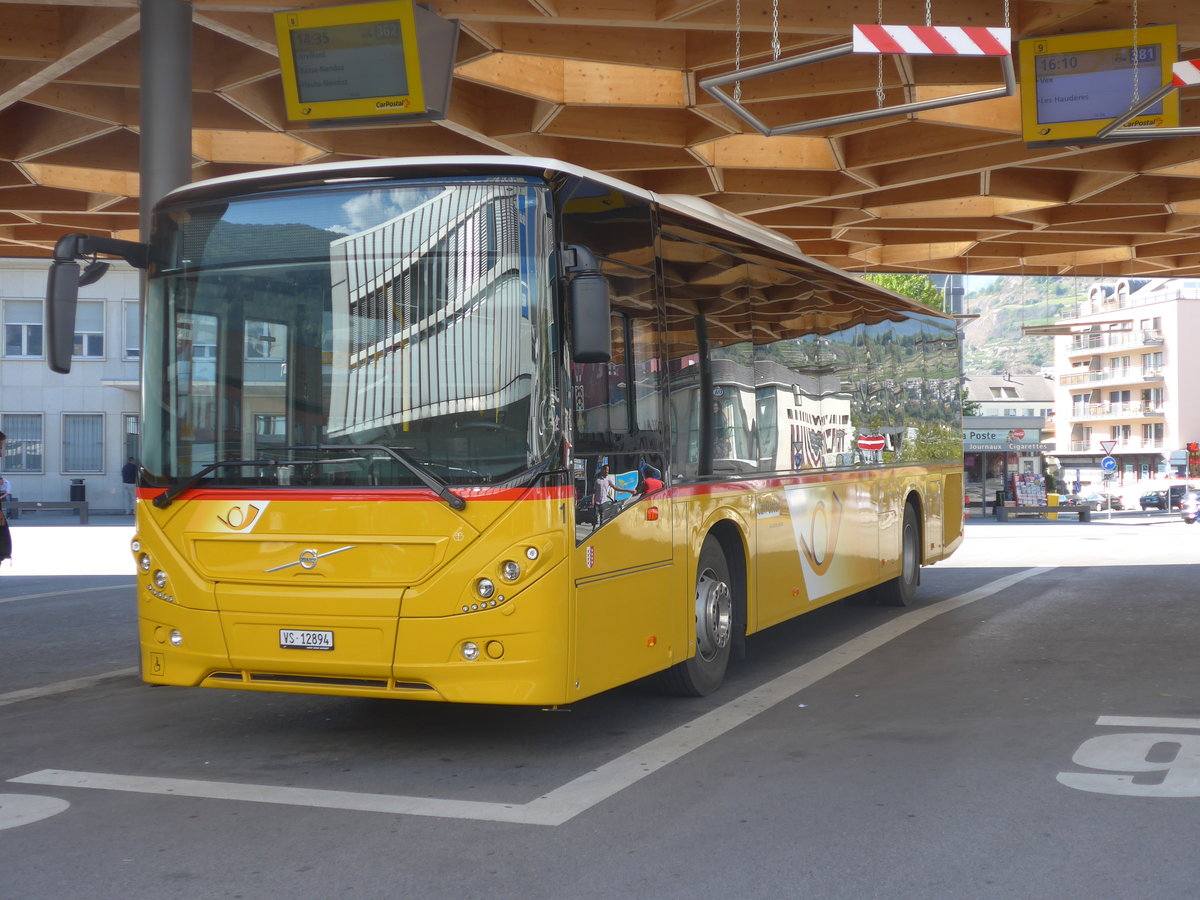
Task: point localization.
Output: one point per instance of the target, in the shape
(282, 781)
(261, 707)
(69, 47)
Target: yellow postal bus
(504, 430)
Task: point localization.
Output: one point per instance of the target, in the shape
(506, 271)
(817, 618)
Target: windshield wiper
(423, 475)
(163, 500)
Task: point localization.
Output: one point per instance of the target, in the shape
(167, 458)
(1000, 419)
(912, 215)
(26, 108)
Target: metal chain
(737, 50)
(1136, 73)
(879, 95)
(928, 12)
(775, 30)
(1006, 19)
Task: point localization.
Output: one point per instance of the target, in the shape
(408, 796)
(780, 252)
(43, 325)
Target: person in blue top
(5, 489)
(129, 484)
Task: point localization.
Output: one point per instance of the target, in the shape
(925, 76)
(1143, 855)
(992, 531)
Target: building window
(83, 443)
(23, 449)
(89, 330)
(133, 437)
(23, 328)
(133, 330)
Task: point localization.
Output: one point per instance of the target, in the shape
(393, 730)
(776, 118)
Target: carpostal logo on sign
(392, 104)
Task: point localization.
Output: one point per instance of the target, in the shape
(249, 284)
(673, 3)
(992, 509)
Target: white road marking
(577, 796)
(87, 590)
(22, 809)
(63, 687)
(1148, 722)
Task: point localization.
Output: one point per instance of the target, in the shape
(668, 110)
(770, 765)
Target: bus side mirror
(589, 303)
(62, 286)
(62, 294)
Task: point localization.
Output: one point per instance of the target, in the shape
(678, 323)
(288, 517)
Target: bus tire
(714, 612)
(902, 590)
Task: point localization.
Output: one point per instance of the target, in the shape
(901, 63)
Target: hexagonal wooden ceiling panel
(613, 85)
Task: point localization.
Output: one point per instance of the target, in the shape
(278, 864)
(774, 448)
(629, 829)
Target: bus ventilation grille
(329, 681)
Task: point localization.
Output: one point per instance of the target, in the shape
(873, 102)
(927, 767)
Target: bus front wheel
(704, 672)
(902, 590)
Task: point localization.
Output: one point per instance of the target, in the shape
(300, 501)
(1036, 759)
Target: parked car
(1105, 501)
(1075, 500)
(1153, 500)
(1189, 507)
(1176, 493)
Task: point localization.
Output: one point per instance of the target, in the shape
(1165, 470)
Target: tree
(915, 287)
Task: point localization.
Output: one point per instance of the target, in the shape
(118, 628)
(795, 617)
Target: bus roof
(693, 207)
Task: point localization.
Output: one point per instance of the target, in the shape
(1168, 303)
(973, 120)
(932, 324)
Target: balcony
(1123, 375)
(1091, 411)
(1089, 344)
(1129, 445)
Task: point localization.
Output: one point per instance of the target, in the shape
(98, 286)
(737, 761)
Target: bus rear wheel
(902, 590)
(704, 672)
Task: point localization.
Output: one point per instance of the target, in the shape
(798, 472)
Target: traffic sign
(1108, 464)
(1107, 446)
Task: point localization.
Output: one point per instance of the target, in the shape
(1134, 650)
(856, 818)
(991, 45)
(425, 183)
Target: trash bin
(78, 490)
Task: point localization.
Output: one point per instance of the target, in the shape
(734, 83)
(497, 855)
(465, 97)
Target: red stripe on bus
(340, 494)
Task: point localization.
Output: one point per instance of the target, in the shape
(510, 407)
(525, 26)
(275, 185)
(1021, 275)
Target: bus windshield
(367, 333)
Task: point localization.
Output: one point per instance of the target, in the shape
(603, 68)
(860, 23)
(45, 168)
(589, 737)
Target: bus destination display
(1095, 84)
(1072, 85)
(349, 62)
(355, 62)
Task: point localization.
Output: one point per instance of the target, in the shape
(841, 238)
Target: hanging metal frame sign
(893, 39)
(350, 61)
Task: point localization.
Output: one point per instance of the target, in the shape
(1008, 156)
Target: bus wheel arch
(719, 611)
(902, 590)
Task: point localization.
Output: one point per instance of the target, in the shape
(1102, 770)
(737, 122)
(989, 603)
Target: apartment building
(1128, 376)
(69, 434)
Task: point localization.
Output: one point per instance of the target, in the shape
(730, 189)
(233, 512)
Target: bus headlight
(135, 545)
(510, 570)
(160, 579)
(485, 587)
(176, 638)
(531, 553)
(144, 562)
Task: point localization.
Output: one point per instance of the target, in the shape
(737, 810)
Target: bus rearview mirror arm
(589, 302)
(62, 287)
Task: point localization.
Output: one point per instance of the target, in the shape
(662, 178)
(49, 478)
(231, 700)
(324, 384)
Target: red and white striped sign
(871, 442)
(1185, 73)
(941, 40)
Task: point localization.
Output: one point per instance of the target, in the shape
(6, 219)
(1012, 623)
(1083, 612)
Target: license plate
(292, 639)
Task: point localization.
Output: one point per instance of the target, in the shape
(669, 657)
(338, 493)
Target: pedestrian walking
(129, 484)
(5, 493)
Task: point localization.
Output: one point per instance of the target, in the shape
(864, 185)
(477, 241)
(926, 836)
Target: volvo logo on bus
(309, 558)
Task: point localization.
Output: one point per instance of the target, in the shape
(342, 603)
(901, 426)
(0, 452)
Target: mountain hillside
(994, 341)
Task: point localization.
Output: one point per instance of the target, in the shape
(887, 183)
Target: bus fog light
(144, 562)
(531, 553)
(485, 587)
(176, 638)
(510, 570)
(160, 579)
(470, 651)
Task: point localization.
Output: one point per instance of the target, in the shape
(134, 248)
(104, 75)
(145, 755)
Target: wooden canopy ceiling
(612, 85)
